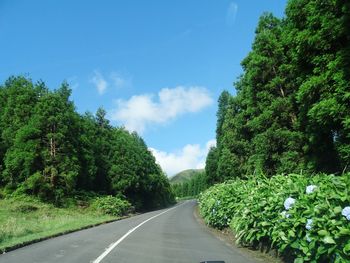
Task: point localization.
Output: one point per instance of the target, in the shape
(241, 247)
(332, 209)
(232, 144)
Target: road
(169, 235)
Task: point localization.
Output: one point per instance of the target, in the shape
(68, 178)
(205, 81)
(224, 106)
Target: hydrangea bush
(307, 217)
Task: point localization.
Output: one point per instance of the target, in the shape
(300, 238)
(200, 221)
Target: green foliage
(211, 165)
(112, 205)
(290, 114)
(25, 218)
(48, 150)
(320, 50)
(223, 103)
(192, 187)
(255, 210)
(291, 109)
(135, 174)
(37, 185)
(184, 176)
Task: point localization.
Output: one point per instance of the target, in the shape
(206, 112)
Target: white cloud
(119, 80)
(208, 145)
(142, 110)
(211, 143)
(231, 14)
(191, 156)
(100, 82)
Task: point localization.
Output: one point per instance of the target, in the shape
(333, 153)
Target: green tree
(318, 37)
(270, 101)
(191, 188)
(18, 97)
(235, 142)
(223, 102)
(47, 149)
(291, 111)
(86, 152)
(103, 151)
(47, 145)
(211, 165)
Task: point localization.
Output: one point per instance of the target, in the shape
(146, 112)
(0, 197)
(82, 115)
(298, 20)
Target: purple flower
(346, 212)
(308, 224)
(310, 188)
(308, 238)
(284, 214)
(289, 203)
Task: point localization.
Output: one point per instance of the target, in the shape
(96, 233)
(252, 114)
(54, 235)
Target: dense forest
(49, 150)
(281, 170)
(192, 186)
(291, 110)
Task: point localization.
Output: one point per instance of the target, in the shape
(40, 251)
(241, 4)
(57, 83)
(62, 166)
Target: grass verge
(227, 236)
(23, 221)
(186, 198)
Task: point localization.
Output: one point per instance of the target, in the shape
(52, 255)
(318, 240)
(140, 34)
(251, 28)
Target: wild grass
(186, 198)
(25, 219)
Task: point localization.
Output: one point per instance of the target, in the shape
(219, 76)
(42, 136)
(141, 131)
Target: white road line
(113, 245)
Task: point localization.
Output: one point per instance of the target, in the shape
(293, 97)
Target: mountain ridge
(184, 176)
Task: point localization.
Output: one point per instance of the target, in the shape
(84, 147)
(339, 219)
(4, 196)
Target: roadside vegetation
(60, 170)
(191, 187)
(303, 217)
(26, 218)
(50, 151)
(184, 176)
(279, 174)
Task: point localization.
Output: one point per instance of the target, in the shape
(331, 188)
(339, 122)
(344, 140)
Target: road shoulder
(228, 239)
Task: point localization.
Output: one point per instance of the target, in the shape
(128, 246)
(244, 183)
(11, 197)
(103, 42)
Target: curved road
(169, 235)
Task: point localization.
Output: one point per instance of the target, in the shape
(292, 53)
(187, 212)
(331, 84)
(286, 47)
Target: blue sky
(157, 67)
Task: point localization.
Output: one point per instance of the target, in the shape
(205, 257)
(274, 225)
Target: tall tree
(47, 145)
(223, 102)
(318, 36)
(212, 160)
(211, 166)
(270, 100)
(291, 111)
(103, 151)
(235, 144)
(86, 152)
(2, 144)
(18, 99)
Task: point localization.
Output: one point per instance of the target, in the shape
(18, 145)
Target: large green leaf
(323, 232)
(328, 240)
(346, 249)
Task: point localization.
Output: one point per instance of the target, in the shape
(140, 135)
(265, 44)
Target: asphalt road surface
(169, 235)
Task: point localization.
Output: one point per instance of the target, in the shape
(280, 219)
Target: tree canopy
(49, 150)
(291, 109)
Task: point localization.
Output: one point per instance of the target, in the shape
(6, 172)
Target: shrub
(217, 204)
(24, 208)
(36, 185)
(299, 215)
(112, 205)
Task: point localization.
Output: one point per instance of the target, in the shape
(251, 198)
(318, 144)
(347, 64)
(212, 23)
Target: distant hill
(184, 176)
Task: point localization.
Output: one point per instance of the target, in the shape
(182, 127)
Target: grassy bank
(25, 219)
(178, 199)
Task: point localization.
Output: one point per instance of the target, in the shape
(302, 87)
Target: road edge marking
(113, 245)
